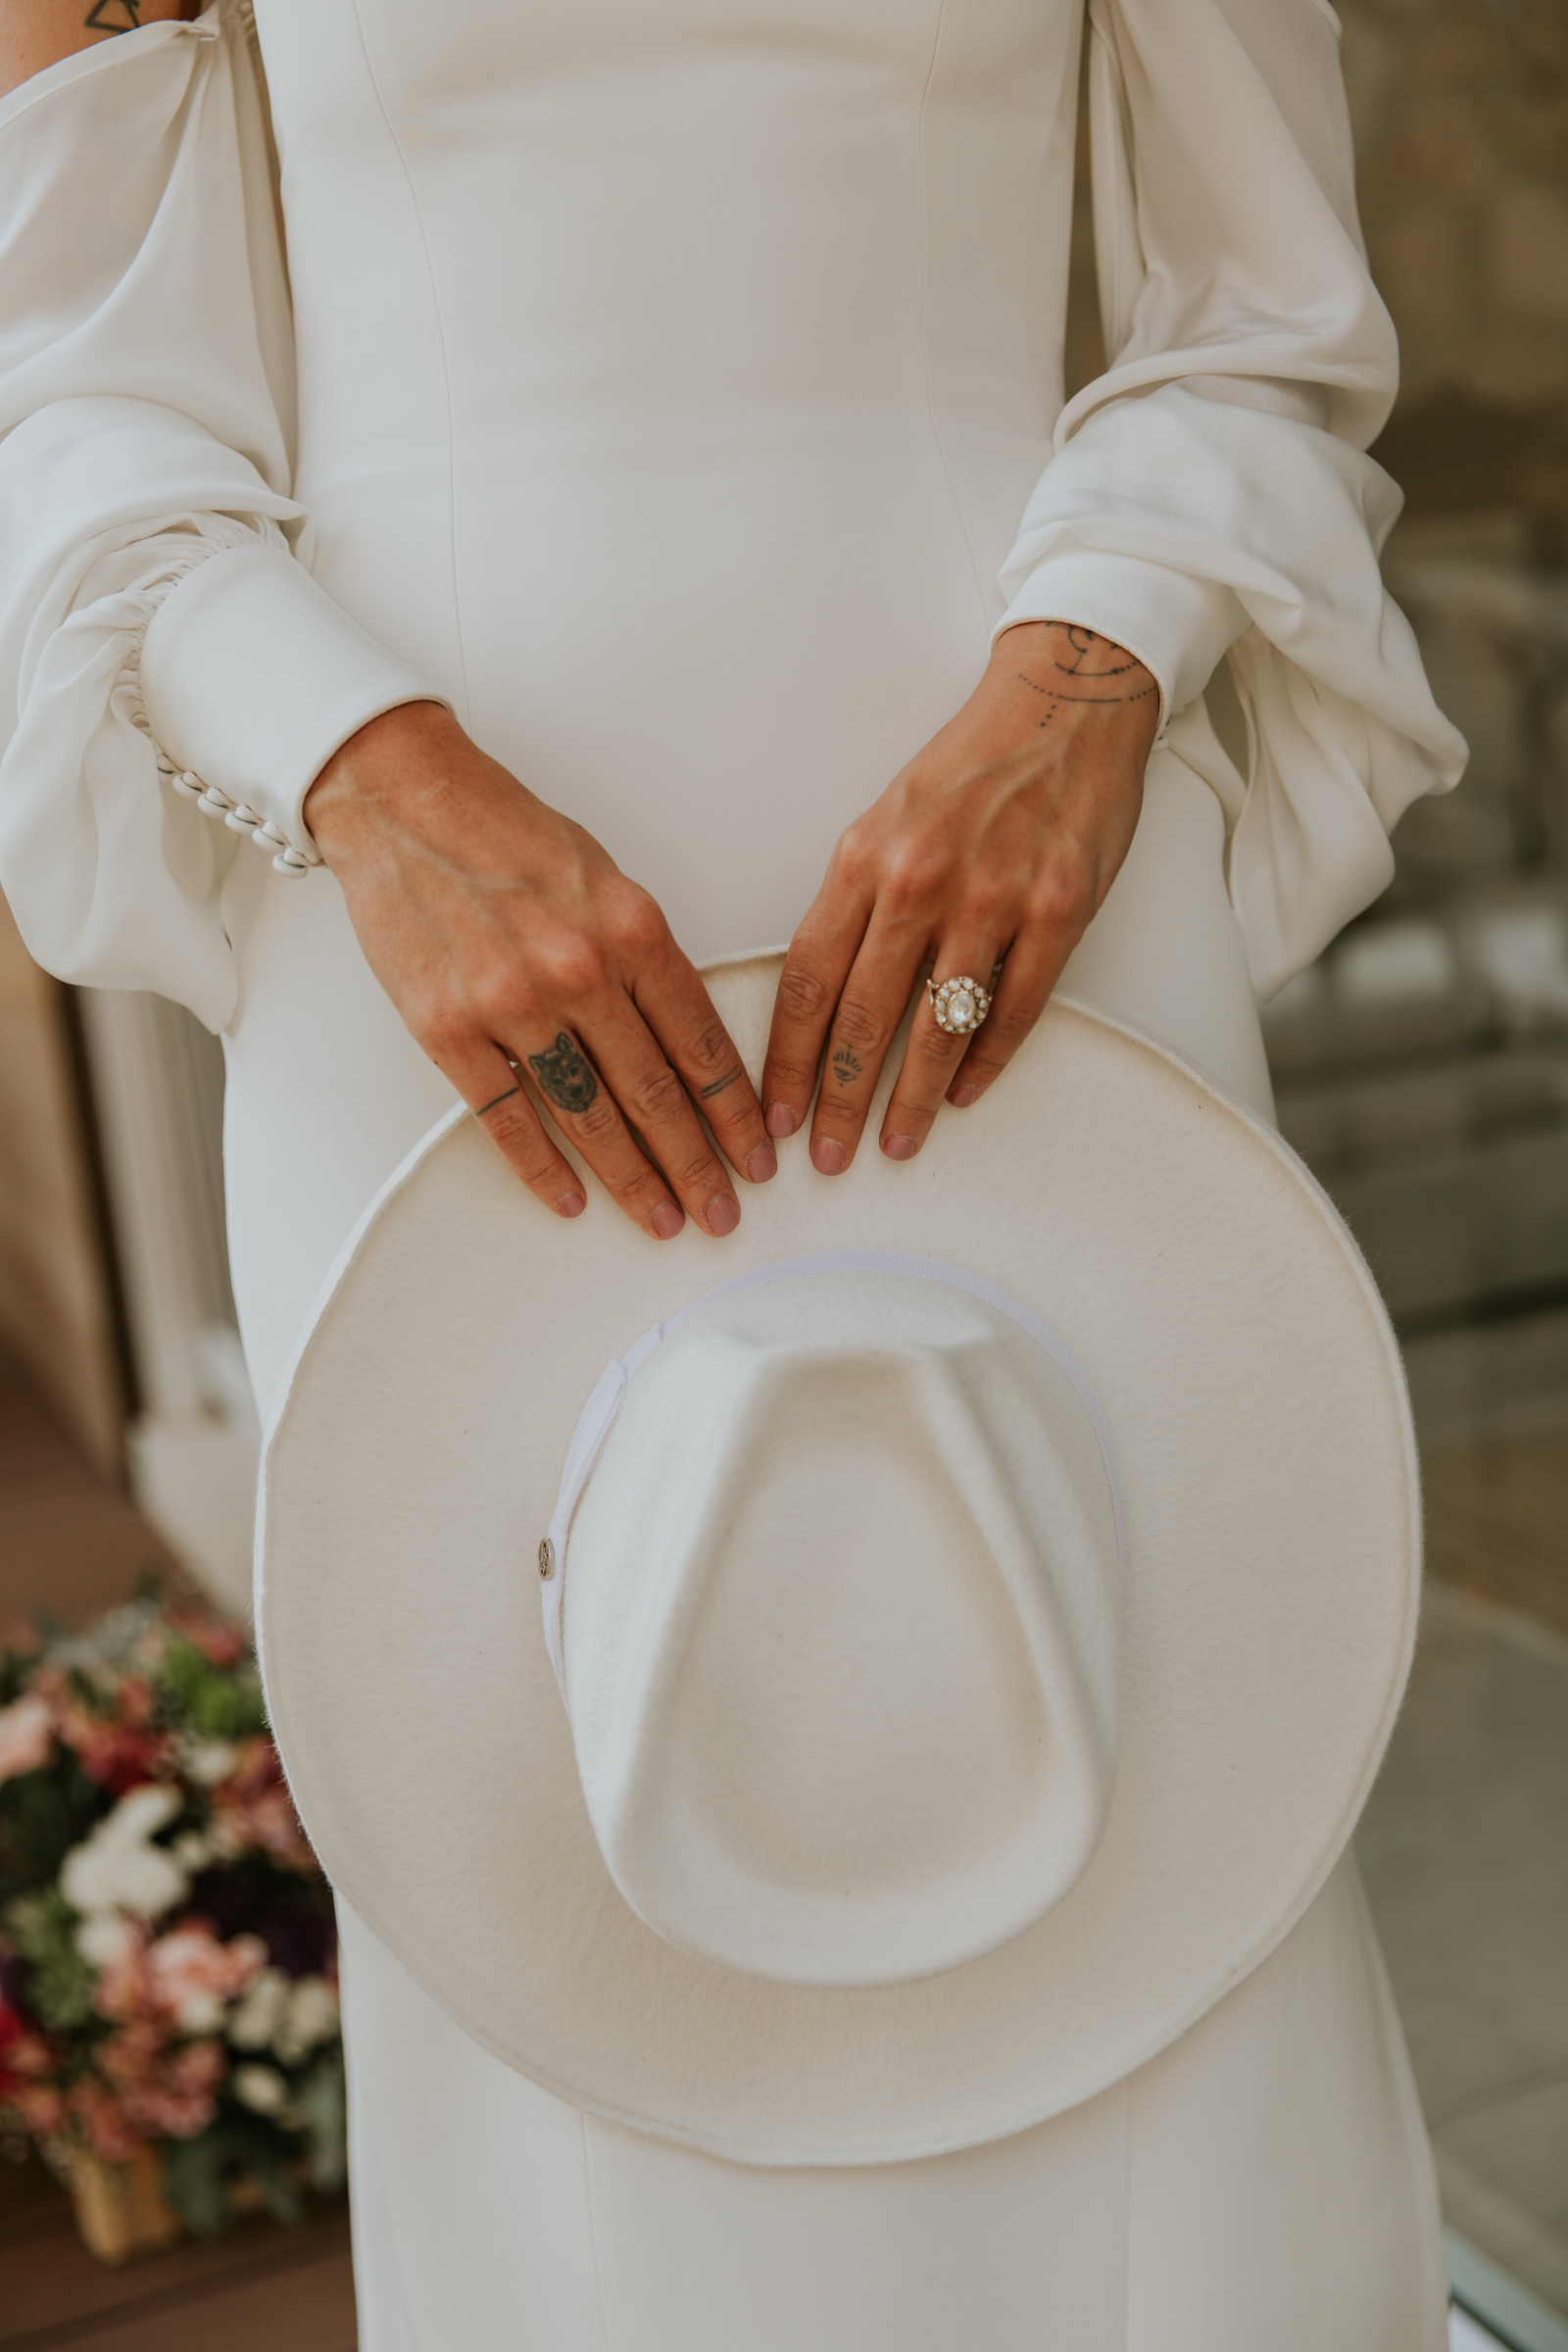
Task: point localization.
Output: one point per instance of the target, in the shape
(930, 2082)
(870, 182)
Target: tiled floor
(76, 1546)
(1497, 1521)
(1465, 1851)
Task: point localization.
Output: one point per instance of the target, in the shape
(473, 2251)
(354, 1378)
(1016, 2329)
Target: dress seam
(441, 332)
(925, 321)
(593, 2233)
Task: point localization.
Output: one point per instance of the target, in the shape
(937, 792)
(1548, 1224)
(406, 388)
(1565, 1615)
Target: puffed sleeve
(1211, 492)
(161, 637)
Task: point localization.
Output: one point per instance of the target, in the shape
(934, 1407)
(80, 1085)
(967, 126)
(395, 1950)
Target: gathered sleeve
(1209, 493)
(161, 637)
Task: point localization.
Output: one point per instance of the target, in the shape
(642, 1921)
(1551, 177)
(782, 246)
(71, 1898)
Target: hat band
(599, 1415)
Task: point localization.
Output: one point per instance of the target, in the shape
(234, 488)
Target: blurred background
(1421, 1068)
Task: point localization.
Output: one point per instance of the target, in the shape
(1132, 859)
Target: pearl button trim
(213, 802)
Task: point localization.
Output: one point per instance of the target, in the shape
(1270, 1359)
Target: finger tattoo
(846, 1067)
(707, 1092)
(564, 1074)
(495, 1099)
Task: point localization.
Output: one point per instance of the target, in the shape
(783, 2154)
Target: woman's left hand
(995, 845)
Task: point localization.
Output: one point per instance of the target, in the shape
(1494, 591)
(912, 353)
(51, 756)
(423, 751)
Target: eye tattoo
(846, 1067)
(564, 1074)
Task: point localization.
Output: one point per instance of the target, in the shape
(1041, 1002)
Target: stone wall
(1460, 109)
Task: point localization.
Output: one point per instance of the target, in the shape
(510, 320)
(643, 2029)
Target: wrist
(1061, 674)
(385, 763)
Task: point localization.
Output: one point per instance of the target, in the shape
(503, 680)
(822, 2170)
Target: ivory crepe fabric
(676, 390)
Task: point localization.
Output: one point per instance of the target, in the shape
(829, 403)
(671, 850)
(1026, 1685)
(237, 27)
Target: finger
(1022, 991)
(819, 963)
(933, 1055)
(680, 1016)
(500, 1101)
(633, 1082)
(865, 1022)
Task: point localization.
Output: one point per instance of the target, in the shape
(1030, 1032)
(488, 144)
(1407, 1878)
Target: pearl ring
(959, 1005)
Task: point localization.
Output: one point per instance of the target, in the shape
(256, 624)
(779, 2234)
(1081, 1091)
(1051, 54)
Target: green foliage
(42, 1928)
(200, 2174)
(217, 1702)
(321, 2101)
(43, 1814)
(16, 1670)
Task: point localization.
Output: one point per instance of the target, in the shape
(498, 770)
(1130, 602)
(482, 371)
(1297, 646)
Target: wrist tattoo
(564, 1074)
(1094, 670)
(112, 16)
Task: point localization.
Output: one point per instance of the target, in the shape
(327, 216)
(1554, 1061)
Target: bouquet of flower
(167, 1952)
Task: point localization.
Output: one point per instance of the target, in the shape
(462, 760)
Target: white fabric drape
(147, 415)
(1252, 361)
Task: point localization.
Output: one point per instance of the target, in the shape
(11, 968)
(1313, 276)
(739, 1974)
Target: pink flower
(220, 1644)
(159, 2091)
(129, 2059)
(26, 2064)
(136, 1702)
(27, 1735)
(253, 1809)
(115, 1756)
(193, 1978)
(123, 1989)
(40, 2106)
(110, 2131)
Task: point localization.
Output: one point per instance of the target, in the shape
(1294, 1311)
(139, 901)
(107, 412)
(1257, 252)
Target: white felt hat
(981, 1590)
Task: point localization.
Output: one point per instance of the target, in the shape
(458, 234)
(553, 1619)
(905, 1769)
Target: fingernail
(570, 1205)
(900, 1147)
(827, 1156)
(963, 1096)
(723, 1215)
(667, 1220)
(780, 1119)
(763, 1164)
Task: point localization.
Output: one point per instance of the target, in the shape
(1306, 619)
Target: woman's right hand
(510, 943)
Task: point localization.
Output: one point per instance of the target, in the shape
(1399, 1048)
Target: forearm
(34, 33)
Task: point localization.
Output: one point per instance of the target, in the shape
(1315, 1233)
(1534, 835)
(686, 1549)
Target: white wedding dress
(673, 386)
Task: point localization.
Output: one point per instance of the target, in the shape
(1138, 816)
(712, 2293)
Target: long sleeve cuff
(252, 677)
(1176, 625)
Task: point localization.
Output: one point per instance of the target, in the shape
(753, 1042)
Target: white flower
(208, 1761)
(261, 2088)
(117, 1868)
(263, 2011)
(191, 1851)
(105, 1939)
(311, 2018)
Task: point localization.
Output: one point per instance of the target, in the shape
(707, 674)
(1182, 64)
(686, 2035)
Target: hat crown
(842, 1632)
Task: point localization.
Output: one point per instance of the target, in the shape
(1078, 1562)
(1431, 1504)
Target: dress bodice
(671, 390)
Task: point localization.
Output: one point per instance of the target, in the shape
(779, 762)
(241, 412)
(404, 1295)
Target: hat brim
(1242, 1353)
